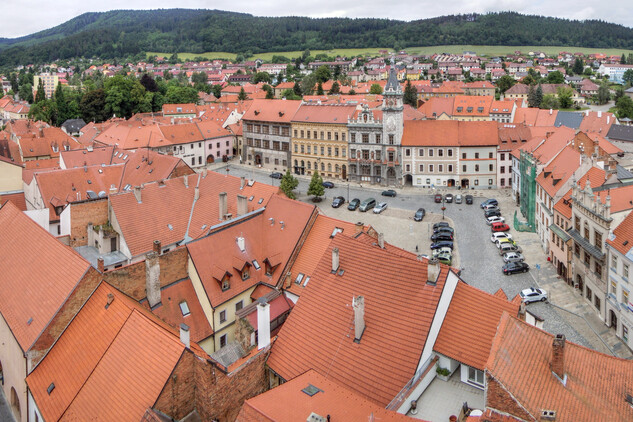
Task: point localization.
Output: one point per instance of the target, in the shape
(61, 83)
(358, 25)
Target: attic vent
(281, 113)
(548, 415)
(29, 321)
(89, 182)
(315, 418)
(50, 388)
(626, 242)
(311, 390)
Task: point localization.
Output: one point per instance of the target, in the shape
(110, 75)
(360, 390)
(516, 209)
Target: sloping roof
(621, 133)
(449, 133)
(471, 324)
(399, 309)
(569, 119)
(182, 133)
(289, 403)
(472, 105)
(598, 122)
(556, 173)
(535, 116)
(151, 219)
(436, 106)
(622, 234)
(596, 178)
(17, 199)
(553, 144)
(263, 239)
(279, 111)
(37, 273)
(336, 114)
(596, 387)
(119, 349)
(621, 197)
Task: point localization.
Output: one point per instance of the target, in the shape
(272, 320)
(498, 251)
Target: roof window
(184, 308)
(256, 264)
(299, 278)
(335, 231)
(311, 390)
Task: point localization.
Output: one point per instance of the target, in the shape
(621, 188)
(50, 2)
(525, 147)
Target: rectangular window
(464, 168)
(625, 296)
(596, 302)
(577, 223)
(336, 136)
(322, 150)
(463, 155)
(309, 148)
(430, 168)
(597, 238)
(598, 268)
(421, 152)
(475, 376)
(308, 133)
(295, 132)
(502, 169)
(329, 151)
(365, 138)
(421, 168)
(322, 134)
(378, 138)
(391, 140)
(490, 167)
(184, 308)
(239, 305)
(342, 136)
(450, 168)
(223, 341)
(587, 259)
(302, 134)
(502, 156)
(476, 155)
(614, 263)
(329, 136)
(450, 152)
(302, 148)
(588, 293)
(625, 271)
(352, 137)
(490, 155)
(296, 148)
(336, 152)
(625, 334)
(222, 316)
(476, 167)
(440, 168)
(440, 152)
(407, 152)
(408, 167)
(431, 152)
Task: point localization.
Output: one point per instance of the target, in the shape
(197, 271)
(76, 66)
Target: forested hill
(123, 33)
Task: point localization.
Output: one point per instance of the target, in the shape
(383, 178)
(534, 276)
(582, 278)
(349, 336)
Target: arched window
(337, 168)
(329, 167)
(15, 404)
(322, 166)
(309, 165)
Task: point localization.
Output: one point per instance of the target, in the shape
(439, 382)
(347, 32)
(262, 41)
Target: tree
(126, 96)
(578, 66)
(550, 101)
(297, 89)
(217, 90)
(531, 97)
(623, 59)
(316, 186)
(336, 88)
(40, 95)
(505, 82)
(323, 73)
(627, 77)
(269, 92)
(375, 89)
(181, 95)
(92, 106)
(538, 98)
(26, 92)
(45, 111)
(262, 77)
(410, 95)
(555, 77)
(624, 107)
(288, 184)
(352, 92)
(63, 110)
(320, 89)
(289, 94)
(565, 96)
(588, 71)
(242, 95)
(604, 95)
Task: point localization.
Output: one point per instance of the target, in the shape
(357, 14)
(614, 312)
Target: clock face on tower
(390, 124)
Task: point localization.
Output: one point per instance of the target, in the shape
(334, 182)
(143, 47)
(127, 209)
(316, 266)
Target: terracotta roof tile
(289, 403)
(17, 199)
(622, 234)
(471, 324)
(280, 111)
(437, 106)
(472, 105)
(621, 198)
(596, 388)
(37, 273)
(387, 282)
(559, 170)
(449, 133)
(324, 113)
(535, 116)
(596, 178)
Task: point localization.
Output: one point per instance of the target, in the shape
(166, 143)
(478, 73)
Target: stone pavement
(6, 415)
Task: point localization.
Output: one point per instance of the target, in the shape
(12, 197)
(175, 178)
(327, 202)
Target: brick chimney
(263, 323)
(557, 365)
(184, 335)
(224, 206)
(358, 228)
(335, 262)
(433, 270)
(242, 182)
(358, 303)
(196, 193)
(242, 204)
(100, 264)
(137, 193)
(381, 240)
(152, 279)
(156, 247)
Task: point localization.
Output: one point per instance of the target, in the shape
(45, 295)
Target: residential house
(319, 139)
(510, 137)
(49, 80)
(587, 88)
(10, 175)
(503, 111)
(266, 128)
(615, 72)
(180, 111)
(280, 88)
(472, 108)
(520, 91)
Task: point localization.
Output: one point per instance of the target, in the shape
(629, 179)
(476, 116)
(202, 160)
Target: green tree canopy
(556, 77)
(320, 89)
(624, 107)
(627, 77)
(44, 110)
(550, 101)
(375, 89)
(269, 91)
(288, 184)
(125, 96)
(181, 95)
(410, 95)
(297, 89)
(40, 95)
(316, 186)
(604, 95)
(565, 94)
(336, 88)
(242, 95)
(93, 106)
(289, 94)
(262, 77)
(505, 82)
(578, 66)
(323, 74)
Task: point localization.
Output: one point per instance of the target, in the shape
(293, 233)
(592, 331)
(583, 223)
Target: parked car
(495, 219)
(444, 230)
(389, 192)
(499, 236)
(438, 198)
(328, 185)
(458, 198)
(419, 214)
(490, 201)
(533, 295)
(338, 201)
(442, 244)
(448, 197)
(469, 199)
(276, 175)
(440, 250)
(367, 204)
(508, 247)
(445, 258)
(504, 241)
(380, 207)
(440, 224)
(441, 236)
(353, 204)
(499, 227)
(513, 257)
(492, 213)
(515, 267)
(491, 207)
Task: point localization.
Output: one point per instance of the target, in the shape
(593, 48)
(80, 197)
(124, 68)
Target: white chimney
(335, 262)
(152, 279)
(241, 244)
(137, 193)
(608, 118)
(358, 303)
(263, 323)
(550, 111)
(433, 270)
(224, 206)
(186, 180)
(242, 204)
(196, 193)
(242, 182)
(184, 335)
(599, 114)
(381, 240)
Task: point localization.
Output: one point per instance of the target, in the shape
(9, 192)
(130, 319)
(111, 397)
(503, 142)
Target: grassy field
(482, 50)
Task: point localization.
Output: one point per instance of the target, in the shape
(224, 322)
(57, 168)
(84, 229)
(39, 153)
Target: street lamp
(443, 208)
(227, 170)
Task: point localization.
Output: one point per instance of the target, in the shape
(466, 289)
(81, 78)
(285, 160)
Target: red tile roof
(622, 234)
(184, 108)
(596, 178)
(535, 116)
(471, 324)
(558, 171)
(119, 349)
(280, 111)
(289, 403)
(449, 133)
(17, 199)
(264, 239)
(621, 198)
(399, 309)
(600, 124)
(437, 106)
(142, 223)
(336, 114)
(596, 385)
(552, 145)
(37, 274)
(472, 105)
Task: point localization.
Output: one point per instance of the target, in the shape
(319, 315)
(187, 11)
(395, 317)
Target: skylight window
(251, 198)
(256, 264)
(184, 308)
(305, 283)
(336, 230)
(299, 278)
(260, 200)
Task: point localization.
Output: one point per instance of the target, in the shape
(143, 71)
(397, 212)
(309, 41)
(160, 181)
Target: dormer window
(225, 284)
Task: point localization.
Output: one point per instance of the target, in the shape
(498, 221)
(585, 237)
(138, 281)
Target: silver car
(533, 295)
(513, 257)
(458, 199)
(380, 207)
(495, 219)
(500, 235)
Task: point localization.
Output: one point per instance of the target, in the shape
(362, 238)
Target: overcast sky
(23, 17)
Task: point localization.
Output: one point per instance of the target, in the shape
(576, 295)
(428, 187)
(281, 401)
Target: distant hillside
(122, 33)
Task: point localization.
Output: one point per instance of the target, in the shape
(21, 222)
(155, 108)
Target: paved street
(6, 415)
(566, 314)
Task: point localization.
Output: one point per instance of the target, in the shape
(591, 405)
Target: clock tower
(393, 126)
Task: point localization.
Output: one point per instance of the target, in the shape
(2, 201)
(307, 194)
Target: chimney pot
(152, 279)
(110, 299)
(358, 228)
(196, 193)
(100, 264)
(381, 240)
(242, 204)
(335, 260)
(157, 247)
(242, 182)
(358, 303)
(224, 208)
(184, 335)
(433, 269)
(137, 193)
(263, 323)
(557, 365)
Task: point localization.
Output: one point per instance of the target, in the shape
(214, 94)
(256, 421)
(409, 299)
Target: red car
(438, 198)
(499, 227)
